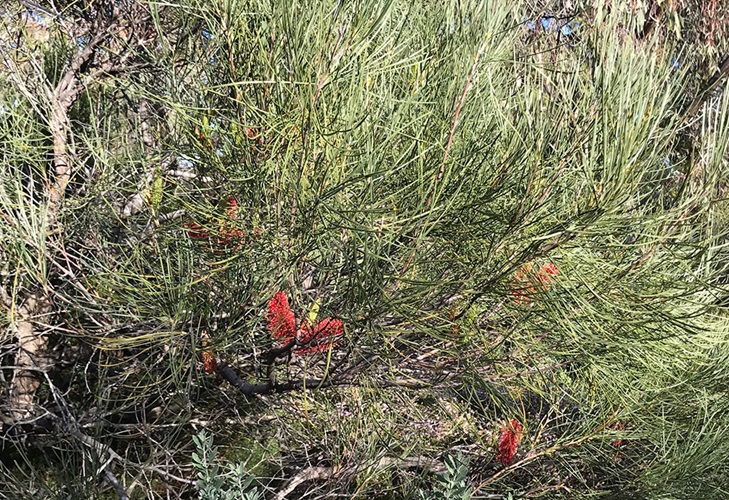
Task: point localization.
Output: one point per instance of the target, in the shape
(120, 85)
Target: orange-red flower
(281, 321)
(282, 325)
(322, 335)
(618, 426)
(529, 282)
(255, 135)
(210, 364)
(232, 207)
(550, 269)
(511, 435)
(226, 237)
(196, 232)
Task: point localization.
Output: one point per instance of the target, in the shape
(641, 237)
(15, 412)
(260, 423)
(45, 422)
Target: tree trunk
(32, 343)
(30, 358)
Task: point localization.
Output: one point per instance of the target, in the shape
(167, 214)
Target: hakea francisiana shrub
(511, 435)
(529, 282)
(318, 337)
(282, 325)
(225, 237)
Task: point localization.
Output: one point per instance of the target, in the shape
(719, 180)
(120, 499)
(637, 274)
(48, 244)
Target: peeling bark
(102, 54)
(61, 158)
(30, 359)
(62, 98)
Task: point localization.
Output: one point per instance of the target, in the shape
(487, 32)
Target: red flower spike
(196, 232)
(511, 435)
(325, 328)
(325, 333)
(255, 135)
(281, 322)
(236, 233)
(550, 269)
(210, 364)
(282, 325)
(539, 281)
(618, 426)
(232, 206)
(227, 237)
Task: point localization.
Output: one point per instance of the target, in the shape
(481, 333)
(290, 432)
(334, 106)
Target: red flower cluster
(528, 282)
(254, 134)
(323, 335)
(225, 236)
(282, 325)
(618, 426)
(511, 435)
(210, 363)
(281, 321)
(232, 206)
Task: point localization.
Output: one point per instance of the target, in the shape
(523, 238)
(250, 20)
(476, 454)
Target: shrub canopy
(351, 239)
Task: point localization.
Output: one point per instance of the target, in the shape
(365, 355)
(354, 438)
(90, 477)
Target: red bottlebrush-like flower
(282, 325)
(281, 322)
(232, 206)
(509, 441)
(210, 364)
(325, 334)
(227, 237)
(325, 328)
(196, 232)
(550, 269)
(618, 426)
(529, 282)
(255, 135)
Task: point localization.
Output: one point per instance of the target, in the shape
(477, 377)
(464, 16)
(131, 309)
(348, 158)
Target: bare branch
(711, 84)
(308, 474)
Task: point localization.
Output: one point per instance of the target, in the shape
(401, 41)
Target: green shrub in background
(351, 237)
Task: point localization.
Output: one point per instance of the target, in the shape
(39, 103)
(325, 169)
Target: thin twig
(308, 474)
(710, 85)
(70, 426)
(454, 124)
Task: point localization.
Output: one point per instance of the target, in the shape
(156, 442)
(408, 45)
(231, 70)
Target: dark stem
(711, 84)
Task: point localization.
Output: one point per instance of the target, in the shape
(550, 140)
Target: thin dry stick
(70, 426)
(454, 124)
(308, 474)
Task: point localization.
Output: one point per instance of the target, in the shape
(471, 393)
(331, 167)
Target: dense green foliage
(518, 215)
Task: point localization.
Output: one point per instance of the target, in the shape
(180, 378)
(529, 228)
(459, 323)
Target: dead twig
(69, 424)
(307, 474)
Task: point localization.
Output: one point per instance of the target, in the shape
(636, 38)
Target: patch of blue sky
(552, 24)
(37, 17)
(548, 23)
